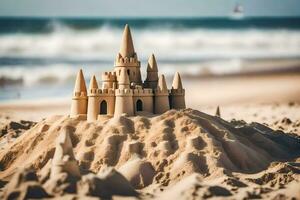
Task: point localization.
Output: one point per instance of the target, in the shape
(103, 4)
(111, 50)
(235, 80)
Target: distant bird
(218, 114)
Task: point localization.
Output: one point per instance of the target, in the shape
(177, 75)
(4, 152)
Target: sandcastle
(123, 91)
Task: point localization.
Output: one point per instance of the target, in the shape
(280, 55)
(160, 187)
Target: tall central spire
(127, 49)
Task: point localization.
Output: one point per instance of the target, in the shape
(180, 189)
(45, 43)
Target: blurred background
(226, 51)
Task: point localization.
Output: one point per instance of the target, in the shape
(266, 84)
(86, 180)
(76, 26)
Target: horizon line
(145, 17)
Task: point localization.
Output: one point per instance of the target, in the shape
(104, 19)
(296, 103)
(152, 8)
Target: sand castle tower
(124, 100)
(93, 105)
(127, 59)
(79, 99)
(161, 96)
(109, 80)
(177, 94)
(152, 73)
(107, 93)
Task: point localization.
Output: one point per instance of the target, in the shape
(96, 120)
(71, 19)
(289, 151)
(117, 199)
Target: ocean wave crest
(197, 43)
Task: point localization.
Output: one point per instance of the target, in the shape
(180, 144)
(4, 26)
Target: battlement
(101, 92)
(142, 92)
(78, 95)
(93, 91)
(124, 92)
(177, 92)
(109, 76)
(128, 61)
(158, 92)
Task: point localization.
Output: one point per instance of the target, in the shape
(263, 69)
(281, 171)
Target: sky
(146, 8)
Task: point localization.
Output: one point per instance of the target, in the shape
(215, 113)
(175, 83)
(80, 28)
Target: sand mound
(277, 176)
(64, 178)
(24, 185)
(157, 151)
(193, 185)
(140, 173)
(13, 129)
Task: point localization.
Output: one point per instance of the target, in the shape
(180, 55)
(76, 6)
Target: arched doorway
(103, 108)
(139, 105)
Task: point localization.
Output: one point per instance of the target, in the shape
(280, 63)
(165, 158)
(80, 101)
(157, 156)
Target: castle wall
(96, 96)
(110, 100)
(146, 96)
(161, 102)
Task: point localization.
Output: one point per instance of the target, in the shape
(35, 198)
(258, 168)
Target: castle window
(103, 108)
(128, 72)
(119, 72)
(139, 105)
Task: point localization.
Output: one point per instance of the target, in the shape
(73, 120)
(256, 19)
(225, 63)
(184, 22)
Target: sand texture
(179, 154)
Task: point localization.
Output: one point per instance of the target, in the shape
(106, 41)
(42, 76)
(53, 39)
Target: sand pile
(187, 150)
(287, 124)
(62, 176)
(13, 129)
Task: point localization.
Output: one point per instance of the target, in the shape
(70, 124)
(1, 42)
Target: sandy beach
(237, 158)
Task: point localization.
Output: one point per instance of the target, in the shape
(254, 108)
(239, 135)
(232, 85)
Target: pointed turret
(218, 112)
(152, 75)
(177, 84)
(152, 65)
(161, 96)
(162, 85)
(79, 99)
(127, 49)
(93, 103)
(80, 83)
(177, 95)
(124, 80)
(93, 83)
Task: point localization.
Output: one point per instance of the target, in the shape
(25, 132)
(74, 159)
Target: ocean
(39, 57)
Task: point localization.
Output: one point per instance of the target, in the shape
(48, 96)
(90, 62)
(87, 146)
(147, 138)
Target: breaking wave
(103, 43)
